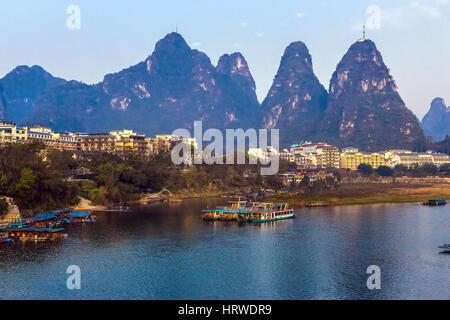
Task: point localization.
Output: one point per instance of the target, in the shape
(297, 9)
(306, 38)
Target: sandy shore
(86, 205)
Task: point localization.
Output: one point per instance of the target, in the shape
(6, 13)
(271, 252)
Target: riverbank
(346, 194)
(87, 205)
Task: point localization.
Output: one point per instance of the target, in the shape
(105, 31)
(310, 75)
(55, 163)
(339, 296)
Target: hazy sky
(413, 37)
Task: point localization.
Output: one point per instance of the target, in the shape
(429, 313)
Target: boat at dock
(32, 233)
(80, 217)
(225, 213)
(50, 219)
(435, 202)
(244, 211)
(267, 212)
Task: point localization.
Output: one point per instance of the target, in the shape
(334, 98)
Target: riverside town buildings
(351, 158)
(119, 142)
(306, 155)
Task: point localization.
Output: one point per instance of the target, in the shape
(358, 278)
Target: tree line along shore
(40, 179)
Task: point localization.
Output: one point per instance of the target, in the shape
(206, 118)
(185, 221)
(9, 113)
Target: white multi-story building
(313, 155)
(420, 158)
(10, 133)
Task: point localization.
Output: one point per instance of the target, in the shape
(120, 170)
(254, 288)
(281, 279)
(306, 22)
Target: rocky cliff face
(21, 88)
(436, 123)
(170, 89)
(364, 108)
(296, 101)
(176, 85)
(2, 104)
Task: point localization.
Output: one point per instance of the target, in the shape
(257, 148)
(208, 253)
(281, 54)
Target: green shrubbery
(33, 182)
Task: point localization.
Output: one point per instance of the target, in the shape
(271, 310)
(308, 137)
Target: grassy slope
(370, 193)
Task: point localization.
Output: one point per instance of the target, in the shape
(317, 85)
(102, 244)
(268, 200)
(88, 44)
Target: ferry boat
(266, 212)
(225, 213)
(435, 202)
(4, 238)
(80, 217)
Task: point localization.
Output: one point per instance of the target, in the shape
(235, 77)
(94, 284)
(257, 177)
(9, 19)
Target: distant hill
(170, 89)
(436, 123)
(177, 85)
(21, 88)
(364, 108)
(296, 101)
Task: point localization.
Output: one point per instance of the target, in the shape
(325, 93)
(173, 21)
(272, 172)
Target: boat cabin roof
(80, 214)
(32, 229)
(43, 217)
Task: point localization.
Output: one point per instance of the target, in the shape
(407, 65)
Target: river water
(169, 252)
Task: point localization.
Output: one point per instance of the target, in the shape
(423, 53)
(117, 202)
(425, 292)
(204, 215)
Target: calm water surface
(168, 252)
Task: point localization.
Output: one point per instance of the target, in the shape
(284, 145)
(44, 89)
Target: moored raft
(4, 238)
(32, 233)
(50, 219)
(80, 217)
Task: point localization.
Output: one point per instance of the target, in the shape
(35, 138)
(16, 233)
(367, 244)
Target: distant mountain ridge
(177, 85)
(22, 87)
(170, 89)
(364, 107)
(436, 122)
(296, 101)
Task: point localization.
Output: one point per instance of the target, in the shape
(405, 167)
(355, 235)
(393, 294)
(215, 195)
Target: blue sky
(413, 37)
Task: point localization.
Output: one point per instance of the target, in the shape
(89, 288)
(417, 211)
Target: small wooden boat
(435, 202)
(316, 204)
(115, 209)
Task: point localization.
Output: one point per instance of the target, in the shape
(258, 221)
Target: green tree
(385, 171)
(3, 207)
(430, 169)
(400, 170)
(417, 170)
(365, 169)
(27, 180)
(338, 175)
(444, 169)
